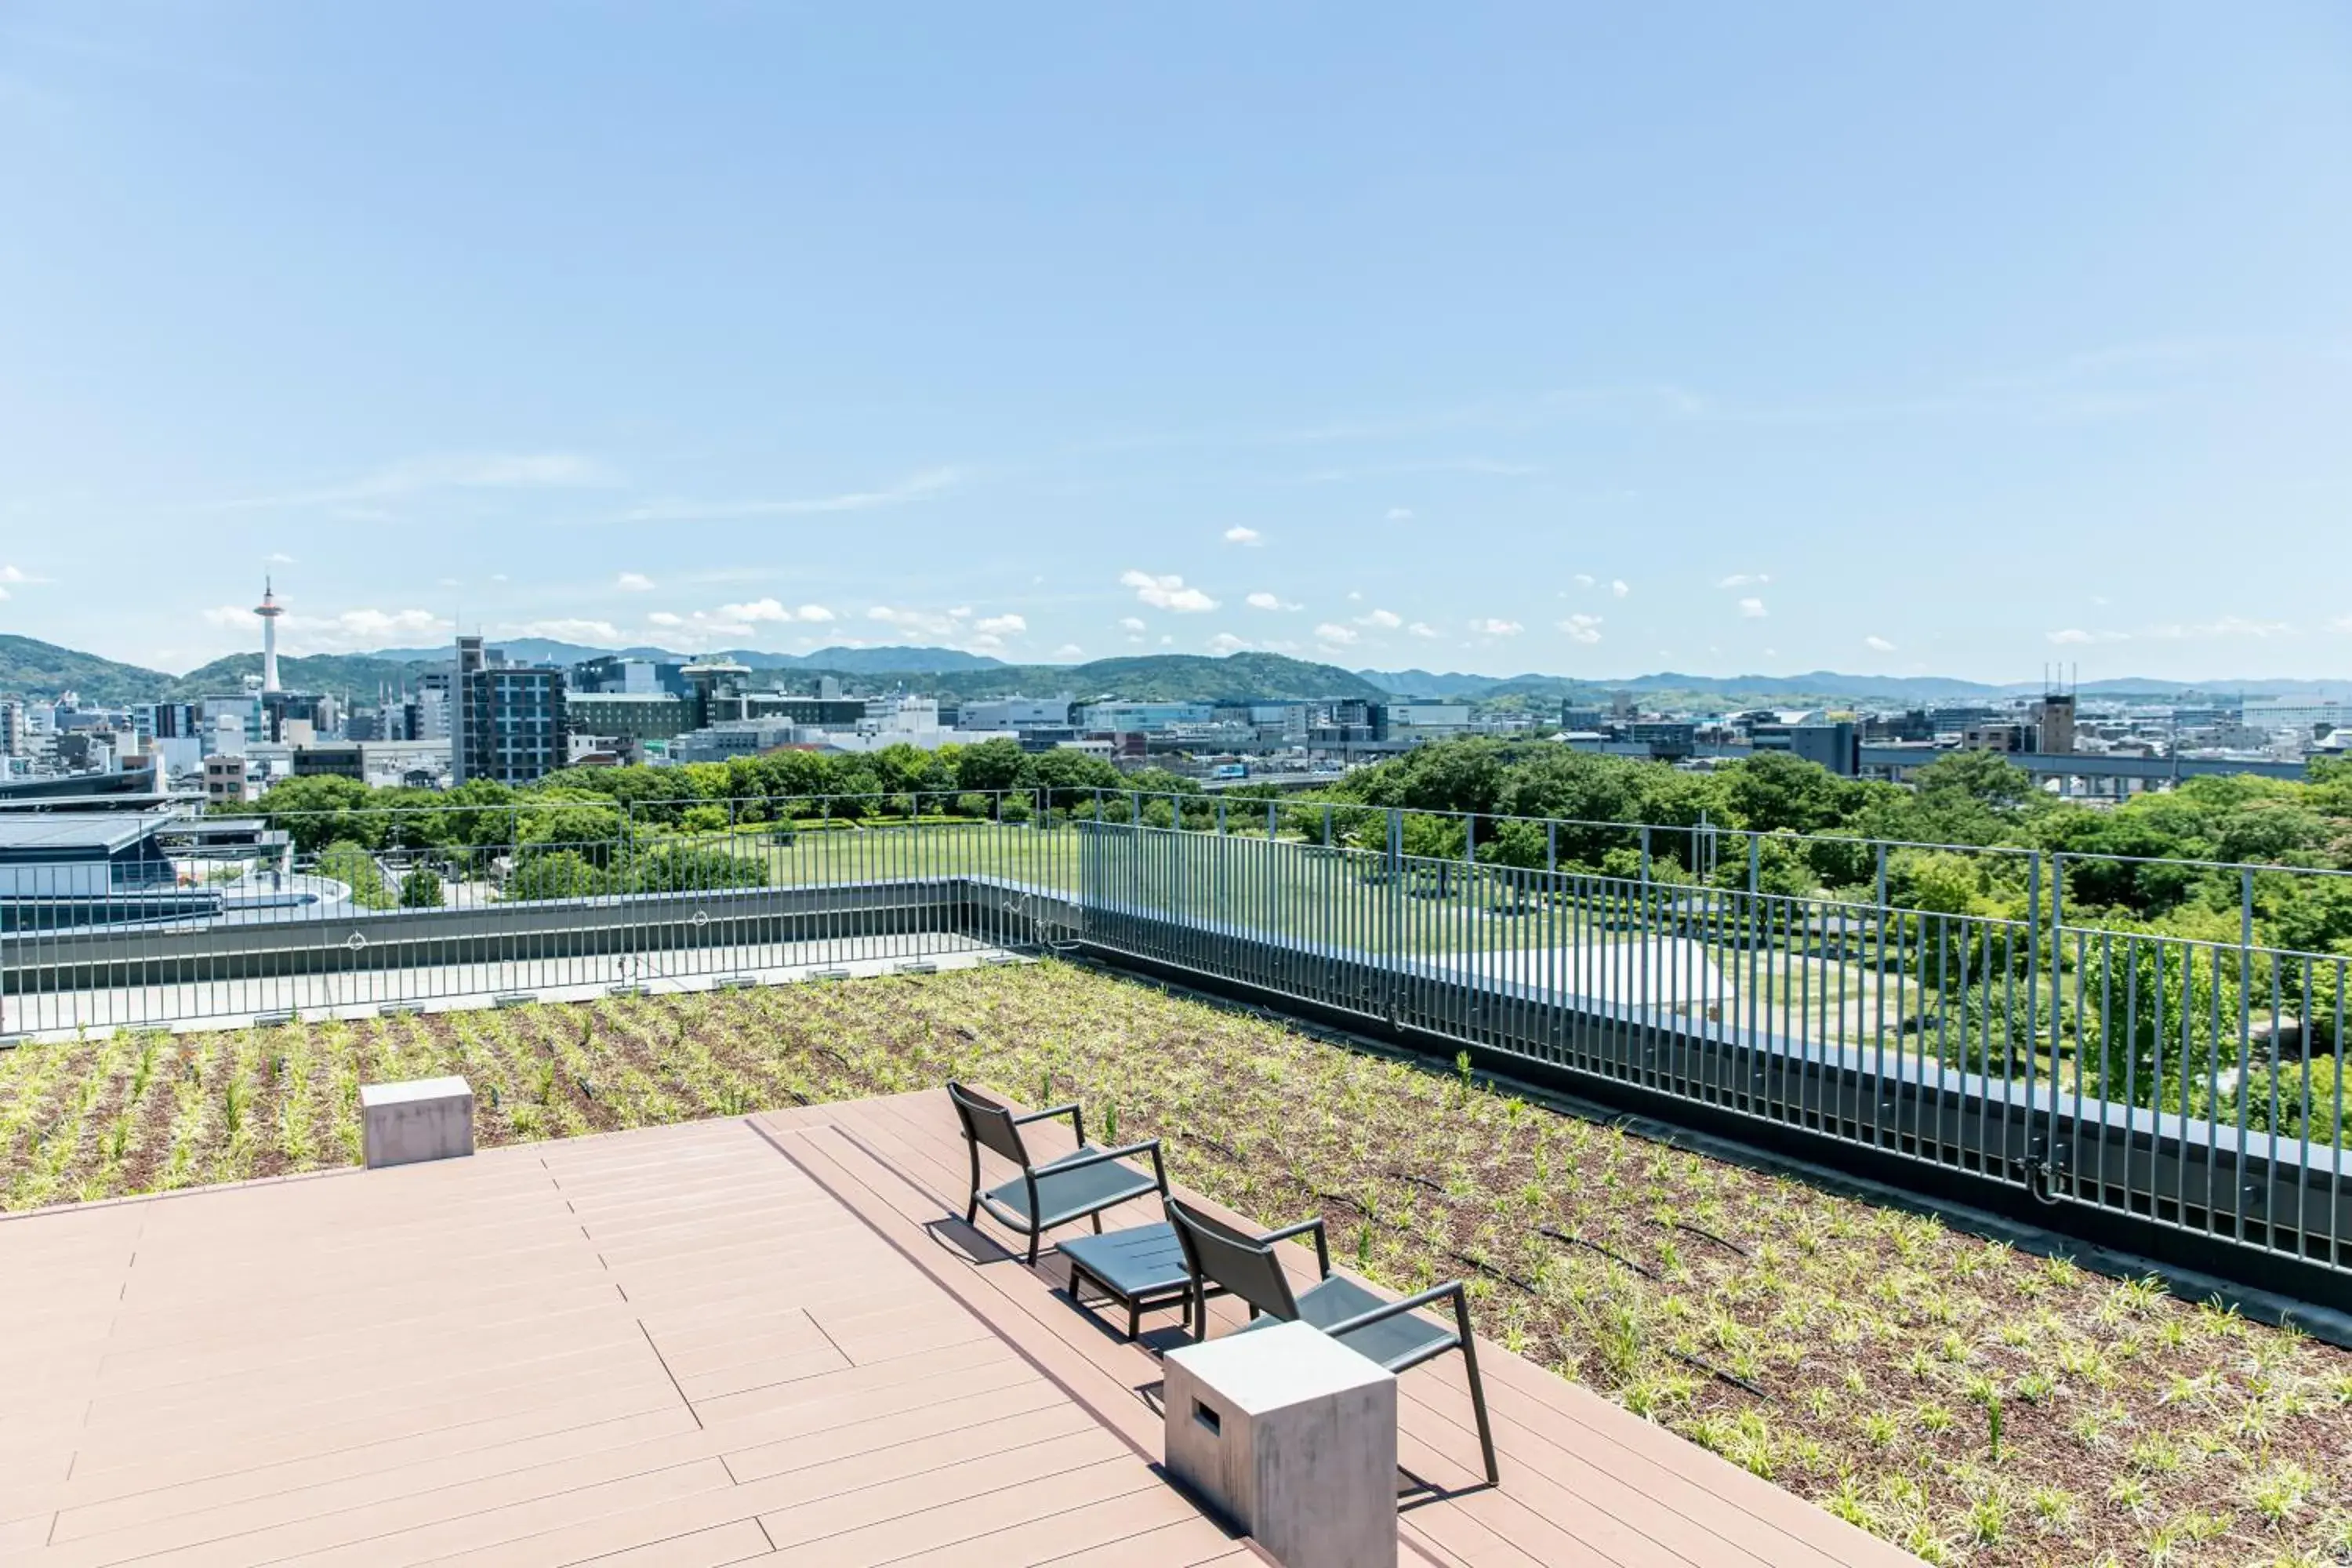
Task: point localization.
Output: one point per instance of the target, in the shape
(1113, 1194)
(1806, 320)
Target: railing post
(1645, 854)
(1395, 906)
(1551, 846)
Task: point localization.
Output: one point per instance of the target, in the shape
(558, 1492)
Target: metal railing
(397, 907)
(2094, 1071)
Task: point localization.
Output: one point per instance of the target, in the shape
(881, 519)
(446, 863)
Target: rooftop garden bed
(1970, 1401)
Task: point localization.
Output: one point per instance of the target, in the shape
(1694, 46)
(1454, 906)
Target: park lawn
(1971, 1403)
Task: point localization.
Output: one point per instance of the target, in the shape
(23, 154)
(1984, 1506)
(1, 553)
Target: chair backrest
(1235, 1259)
(989, 1124)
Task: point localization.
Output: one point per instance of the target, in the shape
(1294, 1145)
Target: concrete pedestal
(424, 1119)
(1294, 1437)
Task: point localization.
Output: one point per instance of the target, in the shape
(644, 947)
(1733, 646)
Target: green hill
(1156, 678)
(41, 671)
(353, 675)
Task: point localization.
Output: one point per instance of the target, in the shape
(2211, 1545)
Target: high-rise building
(510, 721)
(14, 736)
(2053, 721)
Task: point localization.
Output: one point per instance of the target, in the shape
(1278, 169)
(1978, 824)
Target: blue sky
(1582, 339)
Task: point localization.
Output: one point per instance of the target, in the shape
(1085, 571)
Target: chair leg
(1035, 1236)
(1134, 1318)
(1478, 1391)
(1097, 1222)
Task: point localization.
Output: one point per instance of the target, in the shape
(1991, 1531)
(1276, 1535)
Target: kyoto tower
(269, 610)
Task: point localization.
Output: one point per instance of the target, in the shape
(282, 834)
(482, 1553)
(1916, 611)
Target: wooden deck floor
(1583, 1481)
(700, 1345)
(668, 1348)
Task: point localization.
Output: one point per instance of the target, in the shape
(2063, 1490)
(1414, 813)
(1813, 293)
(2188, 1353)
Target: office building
(616, 675)
(509, 722)
(225, 780)
(1117, 718)
(1832, 744)
(2307, 717)
(1016, 713)
(330, 762)
(16, 737)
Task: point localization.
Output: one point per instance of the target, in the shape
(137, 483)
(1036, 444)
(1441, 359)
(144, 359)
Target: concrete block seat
(1077, 1186)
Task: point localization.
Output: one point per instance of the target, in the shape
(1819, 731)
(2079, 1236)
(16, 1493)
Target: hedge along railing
(2186, 1087)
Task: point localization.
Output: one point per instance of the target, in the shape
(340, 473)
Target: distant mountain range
(37, 669)
(1818, 685)
(845, 660)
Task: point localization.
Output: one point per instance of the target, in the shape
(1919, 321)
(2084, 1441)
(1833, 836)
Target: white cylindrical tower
(269, 611)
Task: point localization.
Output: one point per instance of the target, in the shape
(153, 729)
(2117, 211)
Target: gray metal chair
(1077, 1186)
(1389, 1333)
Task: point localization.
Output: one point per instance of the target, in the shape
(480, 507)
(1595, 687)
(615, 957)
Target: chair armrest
(1079, 1161)
(1322, 1247)
(1078, 1118)
(1409, 1304)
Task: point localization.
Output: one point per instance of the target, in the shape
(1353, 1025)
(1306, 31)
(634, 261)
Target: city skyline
(1510, 342)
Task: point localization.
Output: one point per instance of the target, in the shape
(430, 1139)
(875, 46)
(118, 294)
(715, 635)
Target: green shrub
(348, 863)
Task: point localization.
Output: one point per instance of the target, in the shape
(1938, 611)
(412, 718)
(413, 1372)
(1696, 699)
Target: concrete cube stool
(1292, 1437)
(423, 1119)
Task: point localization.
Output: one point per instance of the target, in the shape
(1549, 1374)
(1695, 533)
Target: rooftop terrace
(700, 1344)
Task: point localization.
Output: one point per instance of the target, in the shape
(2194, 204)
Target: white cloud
(1422, 630)
(1226, 642)
(1877, 645)
(915, 486)
(633, 583)
(1753, 609)
(733, 622)
(1130, 624)
(1743, 579)
(2226, 626)
(1400, 514)
(1620, 587)
(1272, 602)
(2076, 635)
(926, 622)
(601, 632)
(1584, 579)
(1386, 620)
(1240, 535)
(279, 558)
(1167, 592)
(497, 471)
(16, 574)
(1333, 633)
(1493, 626)
(1069, 650)
(1582, 629)
(1001, 625)
(350, 631)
